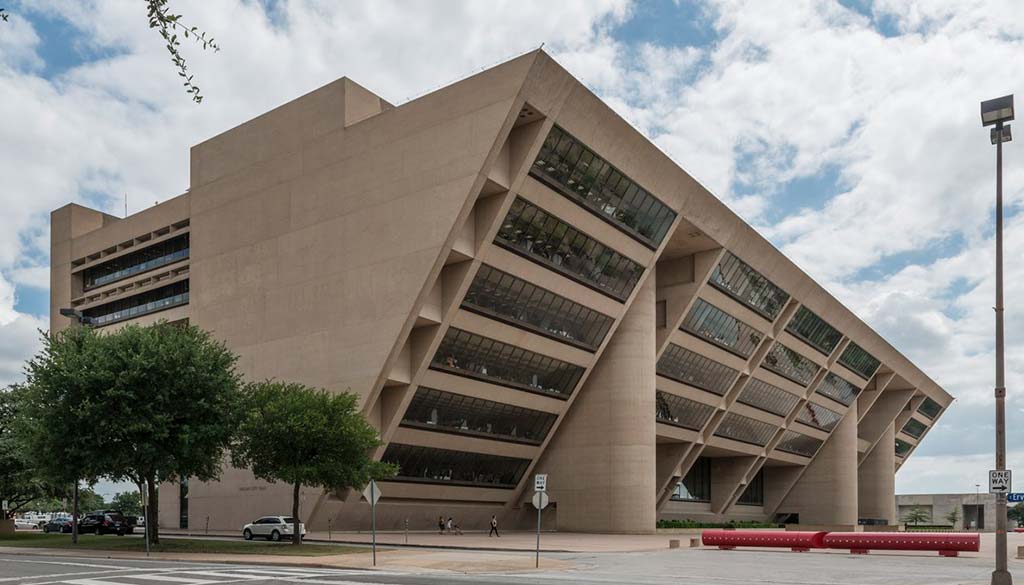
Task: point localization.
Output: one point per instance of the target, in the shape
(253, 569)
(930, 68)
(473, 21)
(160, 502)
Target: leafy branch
(169, 25)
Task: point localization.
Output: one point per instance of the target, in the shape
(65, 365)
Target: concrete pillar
(826, 494)
(876, 482)
(601, 463)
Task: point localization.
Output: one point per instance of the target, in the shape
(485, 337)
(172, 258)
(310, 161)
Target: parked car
(272, 528)
(131, 520)
(104, 523)
(58, 525)
(25, 524)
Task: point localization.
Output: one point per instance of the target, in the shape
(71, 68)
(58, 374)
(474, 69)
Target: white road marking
(173, 579)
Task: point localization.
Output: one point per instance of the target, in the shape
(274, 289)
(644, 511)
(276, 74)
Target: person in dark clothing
(494, 527)
(440, 524)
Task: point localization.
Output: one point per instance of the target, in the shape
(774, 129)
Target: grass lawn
(176, 545)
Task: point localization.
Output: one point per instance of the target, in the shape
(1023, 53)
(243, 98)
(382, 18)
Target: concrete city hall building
(515, 281)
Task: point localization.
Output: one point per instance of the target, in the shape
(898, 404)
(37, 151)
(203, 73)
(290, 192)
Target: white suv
(272, 528)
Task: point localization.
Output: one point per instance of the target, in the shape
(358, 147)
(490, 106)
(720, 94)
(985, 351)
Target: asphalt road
(699, 567)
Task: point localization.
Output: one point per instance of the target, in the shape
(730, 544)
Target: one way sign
(999, 481)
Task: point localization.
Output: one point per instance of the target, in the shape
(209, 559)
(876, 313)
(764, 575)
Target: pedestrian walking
(449, 525)
(494, 527)
(440, 524)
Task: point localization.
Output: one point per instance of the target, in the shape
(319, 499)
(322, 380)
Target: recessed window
(436, 410)
(506, 297)
(737, 279)
(696, 484)
(790, 364)
(715, 325)
(767, 397)
(753, 495)
(799, 444)
(814, 330)
(681, 412)
(152, 301)
(159, 254)
(903, 448)
(683, 365)
(915, 428)
(859, 361)
(465, 353)
(818, 416)
(542, 237)
(429, 465)
(930, 408)
(587, 179)
(838, 389)
(745, 429)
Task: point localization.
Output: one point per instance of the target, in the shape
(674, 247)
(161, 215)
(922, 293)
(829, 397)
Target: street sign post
(372, 494)
(540, 501)
(999, 481)
(145, 515)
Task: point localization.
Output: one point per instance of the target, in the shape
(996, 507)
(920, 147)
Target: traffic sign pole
(540, 501)
(373, 518)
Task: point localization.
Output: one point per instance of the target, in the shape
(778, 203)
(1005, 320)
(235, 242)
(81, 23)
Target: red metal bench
(795, 540)
(949, 544)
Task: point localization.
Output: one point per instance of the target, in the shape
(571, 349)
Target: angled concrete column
(876, 483)
(827, 492)
(602, 461)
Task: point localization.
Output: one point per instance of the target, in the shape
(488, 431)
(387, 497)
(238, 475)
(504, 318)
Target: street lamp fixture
(997, 113)
(76, 315)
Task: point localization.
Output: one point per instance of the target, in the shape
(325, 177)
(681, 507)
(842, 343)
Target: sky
(848, 132)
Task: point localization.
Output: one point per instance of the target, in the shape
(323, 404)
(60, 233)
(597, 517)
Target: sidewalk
(508, 541)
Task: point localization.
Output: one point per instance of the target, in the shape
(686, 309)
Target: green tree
(916, 515)
(306, 437)
(19, 481)
(953, 517)
(1016, 513)
(171, 409)
(129, 503)
(56, 405)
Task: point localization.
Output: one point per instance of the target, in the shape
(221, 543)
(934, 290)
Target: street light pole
(997, 112)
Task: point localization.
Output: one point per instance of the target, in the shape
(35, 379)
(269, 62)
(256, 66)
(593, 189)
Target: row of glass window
(681, 412)
(696, 370)
(914, 428)
(838, 388)
(430, 465)
(818, 416)
(790, 364)
(768, 397)
(737, 279)
(799, 444)
(438, 410)
(589, 180)
(159, 299)
(903, 447)
(745, 429)
(696, 484)
(859, 361)
(501, 295)
(154, 256)
(542, 237)
(462, 352)
(814, 330)
(753, 495)
(721, 328)
(930, 408)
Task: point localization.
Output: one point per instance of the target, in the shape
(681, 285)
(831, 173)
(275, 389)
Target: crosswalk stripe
(172, 579)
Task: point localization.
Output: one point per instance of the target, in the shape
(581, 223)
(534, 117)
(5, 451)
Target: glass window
(430, 465)
(915, 428)
(437, 410)
(818, 416)
(503, 296)
(577, 172)
(930, 408)
(838, 389)
(902, 448)
(696, 370)
(790, 364)
(745, 429)
(859, 361)
(753, 495)
(465, 353)
(709, 322)
(768, 397)
(151, 301)
(799, 444)
(532, 232)
(696, 485)
(681, 412)
(814, 330)
(154, 256)
(737, 279)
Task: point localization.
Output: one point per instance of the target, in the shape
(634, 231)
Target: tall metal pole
(373, 518)
(1000, 576)
(537, 559)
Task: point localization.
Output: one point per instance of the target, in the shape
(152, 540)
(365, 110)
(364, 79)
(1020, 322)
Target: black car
(58, 525)
(104, 523)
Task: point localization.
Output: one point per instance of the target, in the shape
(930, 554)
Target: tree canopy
(306, 437)
(19, 482)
